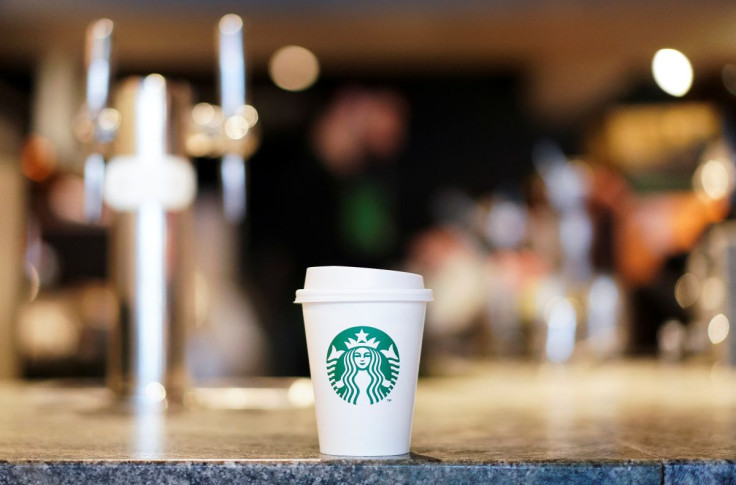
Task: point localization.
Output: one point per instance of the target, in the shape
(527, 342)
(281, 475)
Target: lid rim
(364, 295)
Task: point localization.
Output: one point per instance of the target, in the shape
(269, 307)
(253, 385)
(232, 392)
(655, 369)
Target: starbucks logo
(362, 365)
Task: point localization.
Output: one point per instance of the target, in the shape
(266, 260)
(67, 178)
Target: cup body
(364, 341)
(352, 418)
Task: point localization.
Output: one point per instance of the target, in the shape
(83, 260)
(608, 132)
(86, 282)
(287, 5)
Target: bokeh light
(672, 71)
(714, 179)
(293, 68)
(718, 328)
(687, 290)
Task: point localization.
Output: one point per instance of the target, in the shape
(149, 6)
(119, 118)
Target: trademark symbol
(389, 400)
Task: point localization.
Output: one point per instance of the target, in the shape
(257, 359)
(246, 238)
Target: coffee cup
(364, 331)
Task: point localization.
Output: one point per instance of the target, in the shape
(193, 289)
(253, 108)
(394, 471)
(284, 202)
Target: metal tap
(150, 184)
(97, 123)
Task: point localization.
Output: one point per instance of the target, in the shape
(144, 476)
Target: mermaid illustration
(366, 374)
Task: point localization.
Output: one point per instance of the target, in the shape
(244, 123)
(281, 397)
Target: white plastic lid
(345, 283)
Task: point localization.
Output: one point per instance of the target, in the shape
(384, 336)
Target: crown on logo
(362, 342)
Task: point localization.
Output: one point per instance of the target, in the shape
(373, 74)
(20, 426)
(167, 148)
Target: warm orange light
(38, 158)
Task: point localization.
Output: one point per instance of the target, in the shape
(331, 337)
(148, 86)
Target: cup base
(328, 457)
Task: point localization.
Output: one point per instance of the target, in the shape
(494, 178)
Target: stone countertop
(619, 423)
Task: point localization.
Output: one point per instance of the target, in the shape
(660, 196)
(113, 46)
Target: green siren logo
(362, 365)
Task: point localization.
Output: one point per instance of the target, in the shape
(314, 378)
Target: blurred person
(327, 198)
(357, 138)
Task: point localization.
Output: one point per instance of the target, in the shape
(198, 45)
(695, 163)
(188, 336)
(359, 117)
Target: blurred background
(561, 173)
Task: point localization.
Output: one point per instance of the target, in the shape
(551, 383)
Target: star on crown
(362, 341)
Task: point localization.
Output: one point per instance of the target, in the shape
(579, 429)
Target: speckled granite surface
(628, 423)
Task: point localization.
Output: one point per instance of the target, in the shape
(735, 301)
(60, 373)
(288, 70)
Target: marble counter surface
(622, 423)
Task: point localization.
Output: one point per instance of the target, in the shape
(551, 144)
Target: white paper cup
(364, 336)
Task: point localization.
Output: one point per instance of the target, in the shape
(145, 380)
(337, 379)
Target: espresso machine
(139, 134)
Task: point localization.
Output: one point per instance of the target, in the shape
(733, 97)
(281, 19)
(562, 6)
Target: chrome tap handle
(99, 42)
(235, 126)
(100, 120)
